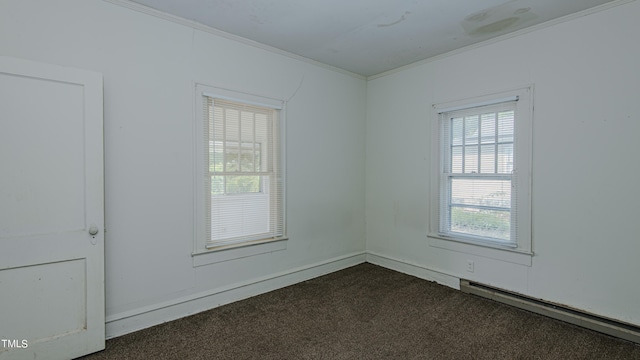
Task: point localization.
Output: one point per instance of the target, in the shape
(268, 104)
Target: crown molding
(544, 25)
(198, 26)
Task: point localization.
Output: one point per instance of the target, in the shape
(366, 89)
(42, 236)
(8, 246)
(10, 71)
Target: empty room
(213, 179)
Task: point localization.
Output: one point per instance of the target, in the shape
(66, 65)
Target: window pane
(471, 159)
(487, 159)
(471, 129)
(217, 185)
(456, 131)
(232, 125)
(216, 129)
(485, 223)
(246, 126)
(262, 141)
(242, 184)
(257, 156)
(246, 160)
(215, 156)
(505, 158)
(488, 128)
(505, 126)
(481, 192)
(231, 157)
(247, 139)
(456, 160)
(239, 216)
(247, 157)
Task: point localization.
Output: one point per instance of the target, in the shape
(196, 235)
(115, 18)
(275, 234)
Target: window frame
(521, 200)
(203, 252)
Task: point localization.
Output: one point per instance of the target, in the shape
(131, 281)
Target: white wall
(150, 66)
(585, 124)
(585, 172)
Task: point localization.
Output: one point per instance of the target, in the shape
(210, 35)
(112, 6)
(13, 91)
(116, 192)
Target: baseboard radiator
(564, 313)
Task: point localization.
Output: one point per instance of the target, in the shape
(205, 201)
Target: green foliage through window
(232, 157)
(489, 223)
(226, 185)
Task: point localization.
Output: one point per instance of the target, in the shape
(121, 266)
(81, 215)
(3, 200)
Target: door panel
(39, 154)
(51, 193)
(33, 286)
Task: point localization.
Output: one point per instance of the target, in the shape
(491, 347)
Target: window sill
(237, 251)
(502, 253)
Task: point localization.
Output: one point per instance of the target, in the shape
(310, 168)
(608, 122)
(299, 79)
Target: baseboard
(556, 311)
(138, 319)
(577, 317)
(413, 269)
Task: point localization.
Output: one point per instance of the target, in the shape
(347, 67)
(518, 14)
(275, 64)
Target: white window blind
(243, 173)
(478, 183)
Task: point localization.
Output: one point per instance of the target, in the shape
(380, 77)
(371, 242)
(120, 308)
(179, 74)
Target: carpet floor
(366, 312)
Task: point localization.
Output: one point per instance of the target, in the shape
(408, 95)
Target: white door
(51, 211)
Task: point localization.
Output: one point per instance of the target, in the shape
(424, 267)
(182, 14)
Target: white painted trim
(477, 249)
(144, 317)
(414, 269)
(522, 252)
(198, 26)
(238, 251)
(464, 104)
(500, 38)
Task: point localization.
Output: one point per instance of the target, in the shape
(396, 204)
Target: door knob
(93, 229)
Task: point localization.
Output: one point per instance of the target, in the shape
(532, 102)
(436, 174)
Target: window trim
(523, 151)
(200, 244)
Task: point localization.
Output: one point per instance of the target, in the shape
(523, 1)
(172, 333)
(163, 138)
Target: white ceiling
(368, 37)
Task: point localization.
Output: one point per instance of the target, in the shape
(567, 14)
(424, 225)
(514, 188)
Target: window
(483, 170)
(241, 170)
(224, 157)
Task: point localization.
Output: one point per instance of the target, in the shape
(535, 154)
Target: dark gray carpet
(366, 312)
